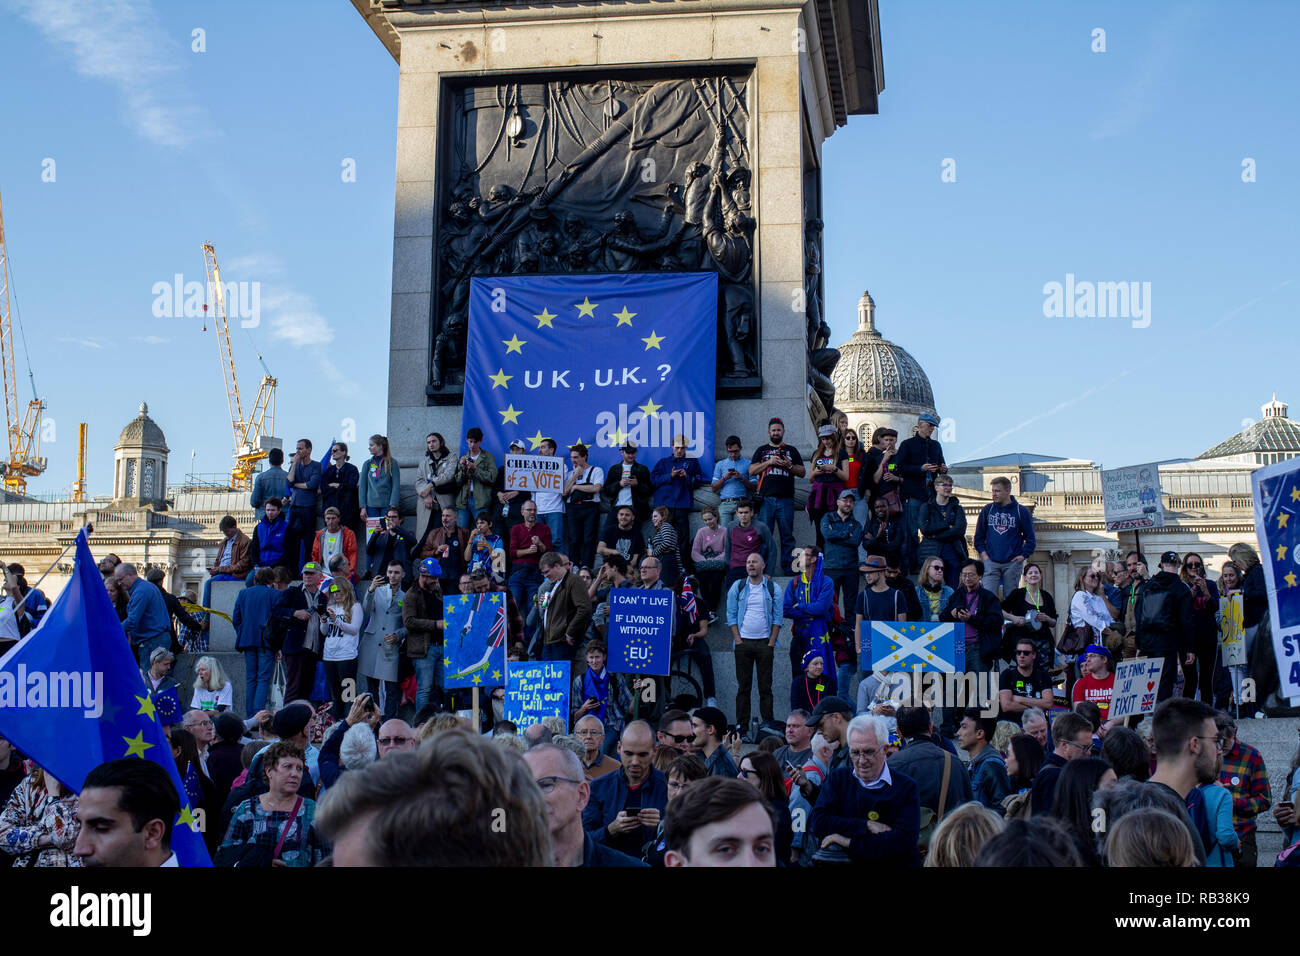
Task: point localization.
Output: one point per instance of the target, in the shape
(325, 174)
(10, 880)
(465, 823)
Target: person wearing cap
(476, 471)
(422, 618)
(842, 533)
(675, 478)
(870, 811)
(298, 605)
(920, 461)
(829, 472)
(335, 539)
(876, 602)
(1004, 538)
(777, 465)
(830, 718)
(731, 482)
(629, 483)
(582, 507)
(507, 506)
(1165, 626)
(550, 504)
(1096, 684)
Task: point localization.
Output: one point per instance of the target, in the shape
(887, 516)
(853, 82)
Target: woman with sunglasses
(761, 771)
(1205, 629)
(1089, 608)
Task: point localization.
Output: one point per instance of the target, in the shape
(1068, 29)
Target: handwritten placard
(1232, 636)
(536, 689)
(1136, 683)
(534, 473)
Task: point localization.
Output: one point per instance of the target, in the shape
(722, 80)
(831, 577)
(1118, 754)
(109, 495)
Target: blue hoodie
(1004, 531)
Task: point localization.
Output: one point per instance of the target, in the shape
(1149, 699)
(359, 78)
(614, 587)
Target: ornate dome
(875, 375)
(142, 432)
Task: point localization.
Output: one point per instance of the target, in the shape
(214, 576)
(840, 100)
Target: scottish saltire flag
(72, 697)
(1276, 492)
(918, 646)
(167, 704)
(474, 635)
(593, 359)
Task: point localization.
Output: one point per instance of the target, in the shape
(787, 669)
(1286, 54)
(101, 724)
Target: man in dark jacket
(675, 479)
(391, 542)
(559, 774)
(267, 545)
(988, 771)
(628, 483)
(300, 608)
(1072, 735)
(925, 762)
(1163, 612)
(567, 612)
(920, 459)
(843, 534)
(252, 611)
(868, 810)
(422, 618)
(625, 807)
(977, 608)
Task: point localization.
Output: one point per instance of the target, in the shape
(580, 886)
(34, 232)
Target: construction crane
(25, 459)
(79, 486)
(249, 431)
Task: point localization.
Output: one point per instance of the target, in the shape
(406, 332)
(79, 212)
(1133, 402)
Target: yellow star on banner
(187, 818)
(544, 318)
(136, 746)
(537, 440)
(625, 317)
(496, 675)
(478, 678)
(586, 307)
(1290, 578)
(446, 662)
(1281, 552)
(500, 378)
(513, 344)
(1281, 520)
(650, 409)
(508, 414)
(1295, 493)
(653, 341)
(464, 599)
(617, 438)
(146, 707)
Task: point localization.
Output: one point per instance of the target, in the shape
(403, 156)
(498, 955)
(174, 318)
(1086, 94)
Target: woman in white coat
(381, 642)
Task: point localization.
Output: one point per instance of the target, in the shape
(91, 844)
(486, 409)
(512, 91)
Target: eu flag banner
(1276, 492)
(595, 359)
(72, 697)
(536, 690)
(474, 635)
(918, 646)
(640, 630)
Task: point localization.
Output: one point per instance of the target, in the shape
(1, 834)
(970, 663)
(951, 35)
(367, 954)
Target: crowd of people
(347, 600)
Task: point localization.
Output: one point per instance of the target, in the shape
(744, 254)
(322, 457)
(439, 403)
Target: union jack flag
(689, 607)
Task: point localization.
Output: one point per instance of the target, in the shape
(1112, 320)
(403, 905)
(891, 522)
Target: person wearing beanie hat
(807, 689)
(1097, 683)
(777, 465)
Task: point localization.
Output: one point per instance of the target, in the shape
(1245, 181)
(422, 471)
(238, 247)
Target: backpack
(1155, 611)
(1017, 806)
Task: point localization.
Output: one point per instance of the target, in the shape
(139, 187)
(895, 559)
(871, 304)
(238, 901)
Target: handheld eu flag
(71, 698)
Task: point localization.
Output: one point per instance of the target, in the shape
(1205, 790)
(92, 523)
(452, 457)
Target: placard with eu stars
(640, 630)
(598, 360)
(1276, 493)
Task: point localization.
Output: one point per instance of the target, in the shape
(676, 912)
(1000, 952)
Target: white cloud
(121, 43)
(84, 342)
(293, 318)
(150, 339)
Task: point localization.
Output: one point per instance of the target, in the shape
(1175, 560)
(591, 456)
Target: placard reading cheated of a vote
(534, 473)
(536, 689)
(640, 631)
(1136, 684)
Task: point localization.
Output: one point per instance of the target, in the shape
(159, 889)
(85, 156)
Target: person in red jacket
(335, 539)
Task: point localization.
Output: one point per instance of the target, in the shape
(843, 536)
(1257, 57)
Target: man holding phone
(625, 807)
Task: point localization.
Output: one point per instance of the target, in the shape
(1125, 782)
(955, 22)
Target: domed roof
(875, 373)
(1274, 433)
(142, 432)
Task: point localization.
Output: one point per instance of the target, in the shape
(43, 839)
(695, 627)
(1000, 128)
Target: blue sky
(1117, 166)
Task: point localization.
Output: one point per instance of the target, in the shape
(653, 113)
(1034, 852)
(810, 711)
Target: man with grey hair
(395, 734)
(590, 732)
(536, 735)
(158, 673)
(559, 775)
(147, 624)
(869, 812)
(1034, 723)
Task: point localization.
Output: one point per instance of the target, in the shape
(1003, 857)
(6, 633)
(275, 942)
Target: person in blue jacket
(1004, 539)
(809, 598)
(626, 806)
(675, 479)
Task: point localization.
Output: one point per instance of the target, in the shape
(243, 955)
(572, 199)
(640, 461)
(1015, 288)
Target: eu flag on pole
(918, 646)
(72, 697)
(593, 359)
(1276, 493)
